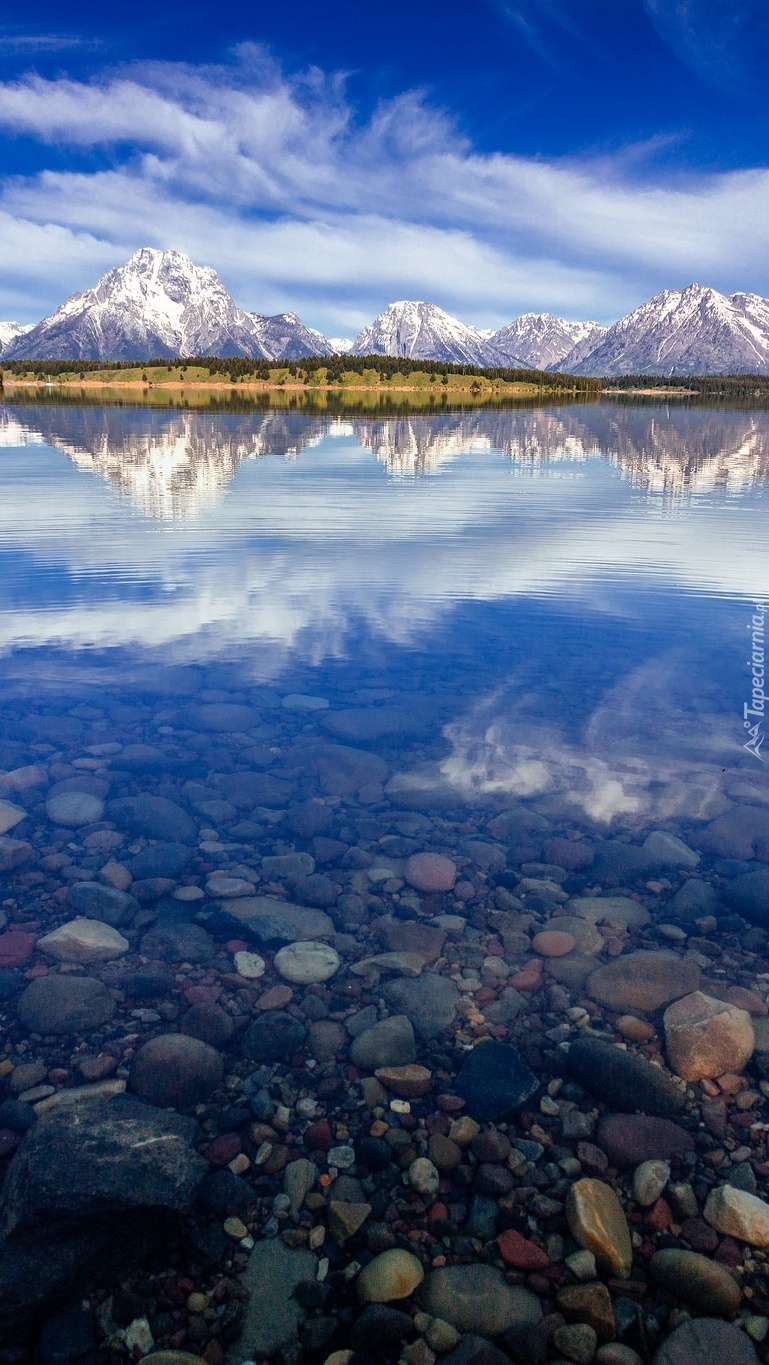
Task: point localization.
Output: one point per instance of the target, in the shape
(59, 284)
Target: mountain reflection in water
(567, 587)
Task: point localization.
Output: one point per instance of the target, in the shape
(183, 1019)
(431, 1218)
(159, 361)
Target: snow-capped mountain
(679, 332)
(158, 304)
(10, 332)
(542, 340)
(422, 331)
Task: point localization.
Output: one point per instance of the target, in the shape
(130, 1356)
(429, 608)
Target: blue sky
(498, 157)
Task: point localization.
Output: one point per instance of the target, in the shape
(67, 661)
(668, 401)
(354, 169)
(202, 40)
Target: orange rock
(553, 943)
(409, 1082)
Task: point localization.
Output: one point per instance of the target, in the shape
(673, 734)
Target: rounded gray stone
(390, 1042)
(65, 1004)
(175, 1071)
(477, 1298)
(706, 1341)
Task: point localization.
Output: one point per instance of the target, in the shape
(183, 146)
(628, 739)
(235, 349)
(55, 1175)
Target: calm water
(562, 595)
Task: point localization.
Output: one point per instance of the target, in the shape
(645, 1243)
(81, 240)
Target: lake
(323, 721)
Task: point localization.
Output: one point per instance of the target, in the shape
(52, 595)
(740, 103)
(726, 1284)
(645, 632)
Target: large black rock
(89, 1189)
(622, 1080)
(494, 1080)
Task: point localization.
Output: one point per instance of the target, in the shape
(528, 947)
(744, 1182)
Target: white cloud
(275, 183)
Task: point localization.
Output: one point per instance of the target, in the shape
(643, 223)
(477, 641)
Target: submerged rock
(622, 1080)
(477, 1298)
(706, 1037)
(65, 1004)
(643, 981)
(494, 1080)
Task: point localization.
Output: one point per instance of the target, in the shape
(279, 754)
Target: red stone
(275, 999)
(202, 995)
(16, 948)
(236, 945)
(517, 1251)
(659, 1216)
(527, 980)
(568, 853)
(223, 1149)
(318, 1137)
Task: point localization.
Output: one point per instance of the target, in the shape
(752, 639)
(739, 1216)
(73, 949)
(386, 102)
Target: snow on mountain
(422, 331)
(542, 340)
(691, 331)
(10, 332)
(158, 304)
(341, 345)
(285, 337)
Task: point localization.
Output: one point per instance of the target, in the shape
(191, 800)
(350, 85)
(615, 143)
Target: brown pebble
(553, 943)
(635, 1029)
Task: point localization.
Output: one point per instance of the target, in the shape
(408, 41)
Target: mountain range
(161, 305)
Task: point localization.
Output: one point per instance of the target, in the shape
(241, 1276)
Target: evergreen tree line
(239, 368)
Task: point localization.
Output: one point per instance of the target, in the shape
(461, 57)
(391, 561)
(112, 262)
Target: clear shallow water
(566, 591)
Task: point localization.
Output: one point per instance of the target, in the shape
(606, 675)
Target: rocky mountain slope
(691, 331)
(423, 331)
(160, 304)
(10, 333)
(542, 340)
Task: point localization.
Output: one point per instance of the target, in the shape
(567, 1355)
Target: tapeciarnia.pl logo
(754, 711)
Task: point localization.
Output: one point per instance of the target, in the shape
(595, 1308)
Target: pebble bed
(308, 1058)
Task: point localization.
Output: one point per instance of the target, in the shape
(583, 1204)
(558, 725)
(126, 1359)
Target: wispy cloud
(277, 182)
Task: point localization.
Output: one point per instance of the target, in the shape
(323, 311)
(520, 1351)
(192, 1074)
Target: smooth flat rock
(667, 850)
(409, 936)
(706, 1037)
(629, 1139)
(620, 911)
(14, 853)
(738, 1214)
(178, 942)
(700, 1282)
(390, 1276)
(743, 832)
(494, 1081)
(65, 1005)
(430, 1002)
(273, 1314)
(477, 1298)
(74, 809)
(597, 1221)
(175, 1070)
(307, 962)
(269, 920)
(160, 860)
(226, 717)
(155, 817)
(10, 816)
(706, 1341)
(343, 770)
(84, 940)
(430, 872)
(622, 1080)
(104, 903)
(643, 981)
(369, 724)
(390, 1042)
(694, 900)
